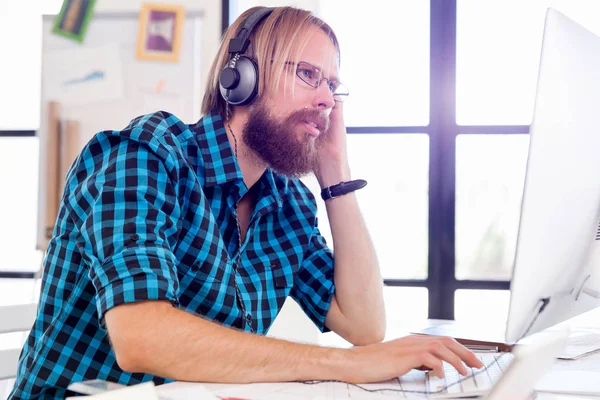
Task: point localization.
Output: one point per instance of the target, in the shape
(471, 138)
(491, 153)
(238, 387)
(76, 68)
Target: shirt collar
(220, 164)
(269, 186)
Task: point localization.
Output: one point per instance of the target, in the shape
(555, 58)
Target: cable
(544, 302)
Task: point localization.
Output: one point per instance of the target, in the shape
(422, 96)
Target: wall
(211, 25)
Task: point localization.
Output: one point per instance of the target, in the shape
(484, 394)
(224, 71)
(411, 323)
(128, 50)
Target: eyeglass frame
(336, 97)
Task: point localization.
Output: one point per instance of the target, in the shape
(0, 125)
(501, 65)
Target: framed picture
(159, 34)
(73, 19)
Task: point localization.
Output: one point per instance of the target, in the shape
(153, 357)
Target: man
(176, 245)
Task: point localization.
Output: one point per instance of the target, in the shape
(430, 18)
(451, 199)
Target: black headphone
(238, 82)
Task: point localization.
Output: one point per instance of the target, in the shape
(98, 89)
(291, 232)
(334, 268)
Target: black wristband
(342, 188)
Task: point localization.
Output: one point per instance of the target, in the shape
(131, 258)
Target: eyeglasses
(313, 77)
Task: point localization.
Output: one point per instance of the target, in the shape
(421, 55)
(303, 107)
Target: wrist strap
(342, 188)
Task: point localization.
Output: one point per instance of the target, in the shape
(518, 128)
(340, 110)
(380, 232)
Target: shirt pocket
(204, 280)
(204, 261)
(283, 275)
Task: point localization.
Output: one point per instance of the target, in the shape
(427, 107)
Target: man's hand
(383, 361)
(332, 166)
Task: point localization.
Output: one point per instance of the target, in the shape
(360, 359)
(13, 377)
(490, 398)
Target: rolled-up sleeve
(125, 201)
(314, 287)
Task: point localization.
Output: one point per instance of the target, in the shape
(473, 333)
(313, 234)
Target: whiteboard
(131, 87)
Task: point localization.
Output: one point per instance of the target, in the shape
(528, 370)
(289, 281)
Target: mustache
(320, 118)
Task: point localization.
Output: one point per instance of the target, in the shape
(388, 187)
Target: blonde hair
(277, 39)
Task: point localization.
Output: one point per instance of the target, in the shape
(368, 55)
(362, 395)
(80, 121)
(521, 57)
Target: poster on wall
(73, 19)
(159, 34)
(79, 77)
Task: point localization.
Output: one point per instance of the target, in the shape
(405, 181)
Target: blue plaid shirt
(148, 214)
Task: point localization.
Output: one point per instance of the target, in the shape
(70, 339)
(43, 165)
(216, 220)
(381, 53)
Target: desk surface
(291, 391)
(341, 391)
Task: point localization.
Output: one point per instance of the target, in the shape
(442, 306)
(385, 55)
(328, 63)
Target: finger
(461, 351)
(439, 349)
(429, 361)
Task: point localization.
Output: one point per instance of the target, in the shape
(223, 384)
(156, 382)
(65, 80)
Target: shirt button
(249, 318)
(134, 237)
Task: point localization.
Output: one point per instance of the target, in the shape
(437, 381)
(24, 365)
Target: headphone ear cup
(245, 90)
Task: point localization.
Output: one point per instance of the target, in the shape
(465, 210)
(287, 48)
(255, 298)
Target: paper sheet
(570, 382)
(82, 76)
(317, 391)
(143, 391)
(185, 391)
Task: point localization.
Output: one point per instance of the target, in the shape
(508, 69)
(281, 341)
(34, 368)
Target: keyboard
(580, 345)
(454, 385)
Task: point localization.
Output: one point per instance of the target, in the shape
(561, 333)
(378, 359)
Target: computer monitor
(556, 273)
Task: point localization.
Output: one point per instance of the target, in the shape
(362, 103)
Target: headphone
(238, 82)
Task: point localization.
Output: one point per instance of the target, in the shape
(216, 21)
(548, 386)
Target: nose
(323, 98)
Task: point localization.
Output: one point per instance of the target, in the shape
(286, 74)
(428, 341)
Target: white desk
(292, 391)
(278, 391)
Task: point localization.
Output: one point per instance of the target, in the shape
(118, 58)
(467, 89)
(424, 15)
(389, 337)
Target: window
(18, 204)
(21, 62)
(20, 104)
(451, 194)
(388, 144)
(496, 72)
(490, 175)
(496, 77)
(384, 60)
(394, 203)
(482, 308)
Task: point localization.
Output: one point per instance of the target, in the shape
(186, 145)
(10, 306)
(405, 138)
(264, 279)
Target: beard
(276, 143)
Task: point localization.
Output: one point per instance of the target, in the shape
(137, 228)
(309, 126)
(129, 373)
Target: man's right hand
(388, 360)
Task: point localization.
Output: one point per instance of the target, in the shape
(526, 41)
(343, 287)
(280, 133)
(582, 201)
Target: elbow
(128, 337)
(128, 355)
(374, 335)
(128, 363)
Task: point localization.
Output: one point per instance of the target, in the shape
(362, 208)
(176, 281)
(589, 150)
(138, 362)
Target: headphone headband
(240, 43)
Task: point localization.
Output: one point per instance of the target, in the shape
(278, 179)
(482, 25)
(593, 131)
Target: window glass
(18, 204)
(395, 201)
(490, 175)
(482, 307)
(21, 49)
(496, 66)
(384, 60)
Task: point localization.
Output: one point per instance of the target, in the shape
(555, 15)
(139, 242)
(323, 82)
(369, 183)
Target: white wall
(241, 5)
(211, 23)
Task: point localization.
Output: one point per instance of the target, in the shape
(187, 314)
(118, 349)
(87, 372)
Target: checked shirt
(148, 213)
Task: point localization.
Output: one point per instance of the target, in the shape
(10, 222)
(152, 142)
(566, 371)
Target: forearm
(154, 337)
(359, 292)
